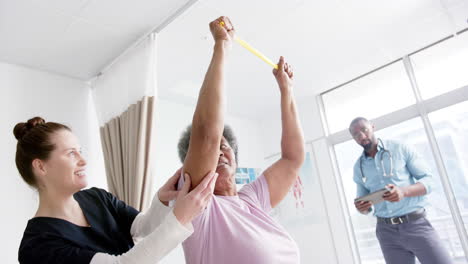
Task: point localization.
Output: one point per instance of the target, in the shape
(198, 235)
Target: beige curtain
(126, 143)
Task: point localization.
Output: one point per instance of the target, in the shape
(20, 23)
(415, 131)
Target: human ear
(38, 167)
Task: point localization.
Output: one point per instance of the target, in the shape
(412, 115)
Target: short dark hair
(184, 141)
(34, 143)
(356, 120)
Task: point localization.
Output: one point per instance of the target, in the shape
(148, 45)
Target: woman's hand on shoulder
(190, 204)
(168, 191)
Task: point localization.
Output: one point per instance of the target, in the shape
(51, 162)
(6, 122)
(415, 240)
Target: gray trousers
(401, 243)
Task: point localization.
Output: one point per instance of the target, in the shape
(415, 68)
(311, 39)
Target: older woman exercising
(236, 227)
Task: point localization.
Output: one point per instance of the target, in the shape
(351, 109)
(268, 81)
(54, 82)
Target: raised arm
(208, 119)
(283, 173)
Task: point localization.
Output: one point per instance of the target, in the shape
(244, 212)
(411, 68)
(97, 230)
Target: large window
(443, 67)
(437, 129)
(383, 91)
(364, 226)
(451, 130)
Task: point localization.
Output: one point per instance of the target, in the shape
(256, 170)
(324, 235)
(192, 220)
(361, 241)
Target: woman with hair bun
(72, 225)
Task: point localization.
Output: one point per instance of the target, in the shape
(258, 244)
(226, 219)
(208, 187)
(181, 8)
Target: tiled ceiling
(327, 42)
(76, 38)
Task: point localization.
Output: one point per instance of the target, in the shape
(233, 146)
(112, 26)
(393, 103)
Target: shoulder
(94, 193)
(357, 163)
(38, 237)
(399, 146)
(47, 247)
(35, 237)
(29, 245)
(257, 193)
(394, 144)
(257, 185)
(95, 198)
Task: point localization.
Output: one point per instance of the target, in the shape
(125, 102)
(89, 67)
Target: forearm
(208, 113)
(208, 120)
(152, 248)
(417, 189)
(292, 139)
(146, 222)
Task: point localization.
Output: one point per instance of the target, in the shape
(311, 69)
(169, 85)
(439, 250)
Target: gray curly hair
(184, 141)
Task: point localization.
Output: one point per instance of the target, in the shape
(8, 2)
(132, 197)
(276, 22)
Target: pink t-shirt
(238, 230)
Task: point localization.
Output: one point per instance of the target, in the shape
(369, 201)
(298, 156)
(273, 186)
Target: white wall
(126, 81)
(26, 93)
(171, 120)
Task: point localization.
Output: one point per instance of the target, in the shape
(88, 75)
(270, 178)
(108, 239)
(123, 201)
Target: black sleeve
(125, 213)
(50, 251)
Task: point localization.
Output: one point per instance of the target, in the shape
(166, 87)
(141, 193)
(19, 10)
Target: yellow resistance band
(253, 50)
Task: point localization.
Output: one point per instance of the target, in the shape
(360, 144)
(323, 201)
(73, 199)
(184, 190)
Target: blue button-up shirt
(407, 169)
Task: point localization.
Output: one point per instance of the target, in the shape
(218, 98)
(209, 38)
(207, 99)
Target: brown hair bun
(22, 129)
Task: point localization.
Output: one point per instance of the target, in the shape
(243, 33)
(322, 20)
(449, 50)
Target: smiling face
(363, 133)
(64, 170)
(226, 167)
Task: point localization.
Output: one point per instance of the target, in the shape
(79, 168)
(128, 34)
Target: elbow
(296, 158)
(293, 151)
(300, 157)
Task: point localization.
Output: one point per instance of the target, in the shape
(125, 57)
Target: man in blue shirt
(402, 228)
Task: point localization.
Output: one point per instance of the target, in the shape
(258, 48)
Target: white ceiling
(327, 42)
(76, 38)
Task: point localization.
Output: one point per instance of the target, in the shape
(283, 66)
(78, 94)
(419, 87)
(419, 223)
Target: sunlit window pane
(374, 95)
(443, 67)
(451, 130)
(302, 213)
(364, 226)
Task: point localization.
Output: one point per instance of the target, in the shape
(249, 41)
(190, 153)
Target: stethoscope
(383, 151)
